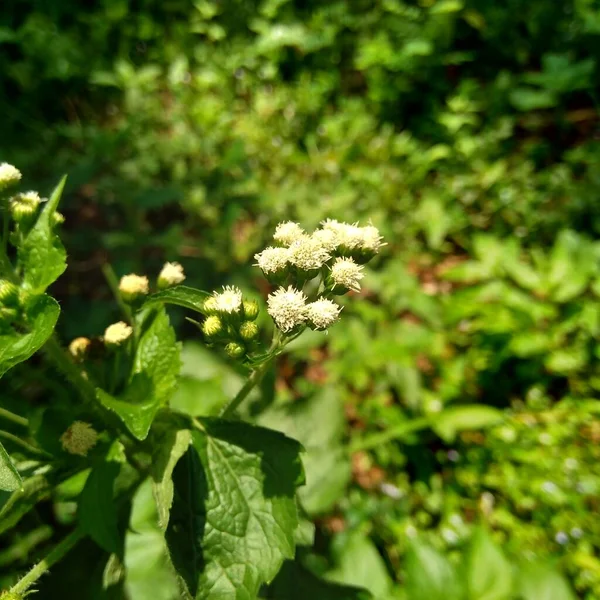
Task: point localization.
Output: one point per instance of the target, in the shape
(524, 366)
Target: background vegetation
(467, 130)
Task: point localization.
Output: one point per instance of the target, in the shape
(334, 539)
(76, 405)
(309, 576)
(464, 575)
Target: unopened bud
(24, 207)
(117, 333)
(210, 305)
(235, 350)
(212, 326)
(170, 275)
(79, 347)
(79, 438)
(9, 292)
(9, 176)
(248, 330)
(57, 219)
(133, 287)
(250, 309)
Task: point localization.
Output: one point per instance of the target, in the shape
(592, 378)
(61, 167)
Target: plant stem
(255, 377)
(19, 442)
(376, 439)
(11, 416)
(53, 557)
(113, 283)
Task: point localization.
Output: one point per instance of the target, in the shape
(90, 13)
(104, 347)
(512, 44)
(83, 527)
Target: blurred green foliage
(467, 130)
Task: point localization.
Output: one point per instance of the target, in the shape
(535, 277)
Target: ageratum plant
(225, 489)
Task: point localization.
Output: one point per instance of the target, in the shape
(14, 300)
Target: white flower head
(171, 274)
(229, 300)
(132, 286)
(323, 313)
(307, 253)
(79, 438)
(9, 175)
(346, 273)
(347, 235)
(79, 346)
(371, 239)
(287, 232)
(272, 260)
(287, 307)
(31, 197)
(117, 333)
(327, 238)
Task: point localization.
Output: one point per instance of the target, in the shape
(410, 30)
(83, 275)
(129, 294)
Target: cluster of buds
(230, 321)
(336, 253)
(134, 288)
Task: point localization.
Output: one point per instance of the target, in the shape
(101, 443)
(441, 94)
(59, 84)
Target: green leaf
(452, 420)
(169, 449)
(429, 576)
(10, 480)
(360, 564)
(42, 254)
(154, 375)
(97, 511)
(41, 314)
(541, 582)
(294, 582)
(180, 295)
(489, 574)
(234, 514)
(318, 424)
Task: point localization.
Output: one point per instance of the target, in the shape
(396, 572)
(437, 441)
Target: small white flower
(307, 253)
(31, 197)
(229, 300)
(288, 232)
(79, 346)
(327, 238)
(9, 175)
(272, 260)
(79, 438)
(171, 274)
(133, 285)
(323, 313)
(287, 307)
(346, 273)
(117, 333)
(371, 239)
(349, 236)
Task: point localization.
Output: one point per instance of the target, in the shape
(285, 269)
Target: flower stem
(113, 283)
(11, 416)
(53, 557)
(22, 443)
(257, 374)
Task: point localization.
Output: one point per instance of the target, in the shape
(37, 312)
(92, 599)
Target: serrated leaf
(318, 424)
(42, 254)
(97, 511)
(429, 575)
(488, 573)
(170, 448)
(234, 512)
(452, 420)
(294, 582)
(180, 295)
(10, 480)
(153, 377)
(41, 314)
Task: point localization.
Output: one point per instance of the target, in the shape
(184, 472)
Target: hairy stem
(11, 416)
(53, 557)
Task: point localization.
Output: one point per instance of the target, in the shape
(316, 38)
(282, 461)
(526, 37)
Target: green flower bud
(57, 219)
(212, 326)
(250, 309)
(9, 293)
(235, 350)
(210, 305)
(133, 287)
(248, 330)
(24, 207)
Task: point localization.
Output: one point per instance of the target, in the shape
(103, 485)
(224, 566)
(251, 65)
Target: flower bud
(79, 347)
(345, 275)
(133, 287)
(210, 305)
(274, 263)
(9, 176)
(212, 326)
(9, 293)
(79, 438)
(287, 233)
(235, 350)
(322, 313)
(117, 333)
(170, 275)
(250, 309)
(57, 219)
(24, 207)
(308, 255)
(248, 330)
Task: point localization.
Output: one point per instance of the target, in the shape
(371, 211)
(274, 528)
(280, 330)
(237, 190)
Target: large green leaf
(97, 511)
(234, 511)
(541, 582)
(294, 582)
(41, 314)
(154, 374)
(488, 574)
(318, 424)
(429, 576)
(42, 254)
(180, 295)
(10, 480)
